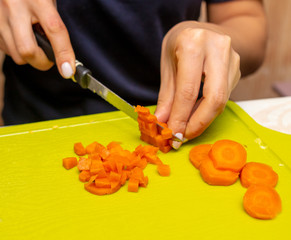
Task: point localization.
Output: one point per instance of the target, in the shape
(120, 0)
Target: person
(148, 52)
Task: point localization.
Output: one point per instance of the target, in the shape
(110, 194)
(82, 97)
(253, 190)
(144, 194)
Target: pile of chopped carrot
(104, 169)
(223, 162)
(150, 132)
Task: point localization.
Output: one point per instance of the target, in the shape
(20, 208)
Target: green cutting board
(39, 199)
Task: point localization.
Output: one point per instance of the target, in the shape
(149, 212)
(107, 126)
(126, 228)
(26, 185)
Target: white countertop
(273, 113)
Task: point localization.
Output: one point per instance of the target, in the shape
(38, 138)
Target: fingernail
(67, 70)
(177, 144)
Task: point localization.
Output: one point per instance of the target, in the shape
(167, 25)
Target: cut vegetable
(228, 155)
(258, 173)
(164, 170)
(199, 153)
(79, 149)
(214, 176)
(262, 202)
(70, 162)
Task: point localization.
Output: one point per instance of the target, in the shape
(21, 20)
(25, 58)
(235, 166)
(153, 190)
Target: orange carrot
(102, 182)
(213, 176)
(84, 176)
(258, 173)
(91, 147)
(164, 170)
(166, 133)
(79, 149)
(228, 155)
(133, 185)
(199, 153)
(262, 202)
(84, 163)
(70, 162)
(90, 187)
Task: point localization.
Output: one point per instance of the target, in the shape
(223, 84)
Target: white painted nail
(67, 70)
(177, 144)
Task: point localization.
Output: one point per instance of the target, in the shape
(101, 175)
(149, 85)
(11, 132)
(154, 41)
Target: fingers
(222, 74)
(190, 60)
(17, 37)
(58, 36)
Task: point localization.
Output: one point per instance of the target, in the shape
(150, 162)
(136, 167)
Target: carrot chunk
(262, 202)
(258, 173)
(164, 170)
(79, 149)
(70, 162)
(133, 185)
(84, 176)
(214, 176)
(96, 190)
(84, 163)
(228, 155)
(198, 154)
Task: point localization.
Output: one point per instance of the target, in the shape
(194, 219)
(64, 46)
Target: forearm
(245, 23)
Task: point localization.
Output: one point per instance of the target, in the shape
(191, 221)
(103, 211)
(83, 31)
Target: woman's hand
(190, 51)
(17, 39)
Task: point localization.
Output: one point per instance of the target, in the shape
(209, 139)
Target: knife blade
(84, 78)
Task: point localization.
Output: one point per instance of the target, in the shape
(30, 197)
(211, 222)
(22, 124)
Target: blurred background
(273, 78)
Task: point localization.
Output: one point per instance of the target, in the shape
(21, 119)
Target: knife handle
(81, 75)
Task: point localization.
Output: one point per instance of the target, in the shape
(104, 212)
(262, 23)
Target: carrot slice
(102, 182)
(262, 202)
(91, 147)
(79, 149)
(164, 170)
(70, 162)
(228, 155)
(84, 163)
(258, 173)
(214, 176)
(198, 153)
(95, 190)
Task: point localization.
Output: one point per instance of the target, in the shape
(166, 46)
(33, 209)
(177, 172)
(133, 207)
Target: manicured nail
(67, 70)
(176, 144)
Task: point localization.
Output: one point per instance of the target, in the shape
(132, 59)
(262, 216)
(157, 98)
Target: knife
(84, 78)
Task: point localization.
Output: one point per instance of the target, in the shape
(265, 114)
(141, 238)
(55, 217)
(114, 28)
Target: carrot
(198, 154)
(133, 185)
(95, 190)
(228, 155)
(214, 176)
(70, 162)
(262, 202)
(79, 149)
(84, 163)
(258, 173)
(166, 133)
(91, 147)
(164, 170)
(84, 176)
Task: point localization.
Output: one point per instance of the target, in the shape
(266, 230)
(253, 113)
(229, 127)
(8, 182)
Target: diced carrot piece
(91, 147)
(144, 181)
(102, 183)
(84, 163)
(133, 185)
(84, 176)
(214, 176)
(92, 179)
(114, 146)
(166, 148)
(95, 190)
(262, 202)
(142, 163)
(114, 177)
(79, 149)
(123, 177)
(137, 173)
(115, 186)
(96, 166)
(70, 162)
(198, 154)
(141, 110)
(166, 133)
(258, 173)
(164, 170)
(228, 155)
(152, 158)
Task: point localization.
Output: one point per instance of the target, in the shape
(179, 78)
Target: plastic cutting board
(39, 199)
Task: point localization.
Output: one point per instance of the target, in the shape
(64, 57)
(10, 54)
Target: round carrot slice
(228, 155)
(258, 173)
(198, 153)
(262, 202)
(213, 176)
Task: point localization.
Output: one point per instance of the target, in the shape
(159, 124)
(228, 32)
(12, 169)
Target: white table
(273, 113)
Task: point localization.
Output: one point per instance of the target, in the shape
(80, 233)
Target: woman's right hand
(17, 38)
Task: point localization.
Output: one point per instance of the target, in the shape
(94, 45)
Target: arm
(232, 41)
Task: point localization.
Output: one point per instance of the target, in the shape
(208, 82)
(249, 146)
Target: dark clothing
(118, 40)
